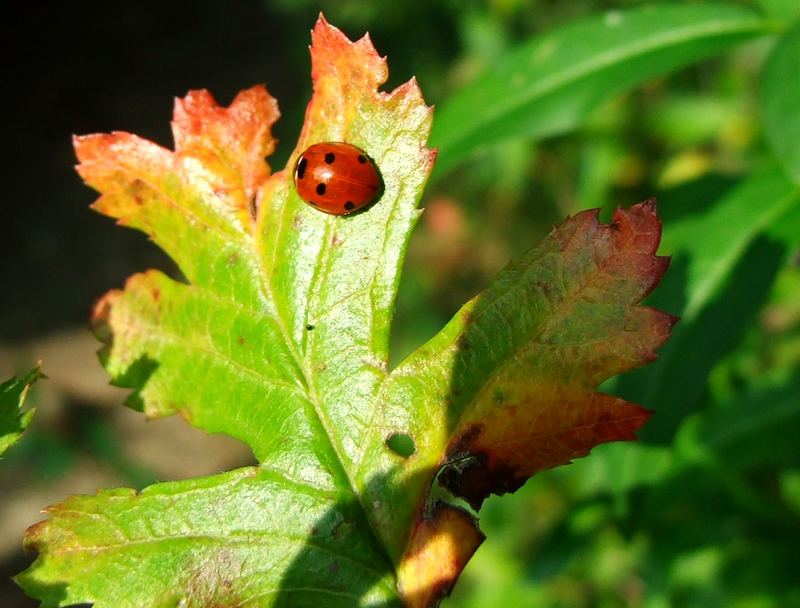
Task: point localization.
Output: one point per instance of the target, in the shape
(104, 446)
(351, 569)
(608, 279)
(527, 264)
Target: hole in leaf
(401, 444)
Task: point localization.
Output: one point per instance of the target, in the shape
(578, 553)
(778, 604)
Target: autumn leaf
(279, 337)
(13, 421)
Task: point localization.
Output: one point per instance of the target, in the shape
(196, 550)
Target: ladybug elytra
(337, 178)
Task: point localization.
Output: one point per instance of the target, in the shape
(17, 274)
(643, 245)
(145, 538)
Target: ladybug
(337, 178)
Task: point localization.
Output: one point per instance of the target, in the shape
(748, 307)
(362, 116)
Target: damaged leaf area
(13, 421)
(278, 336)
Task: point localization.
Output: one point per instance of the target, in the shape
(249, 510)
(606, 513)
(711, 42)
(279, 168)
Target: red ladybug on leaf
(337, 178)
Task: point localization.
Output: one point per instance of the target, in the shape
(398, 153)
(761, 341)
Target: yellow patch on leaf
(437, 552)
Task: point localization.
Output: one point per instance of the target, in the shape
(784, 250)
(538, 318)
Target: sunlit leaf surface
(279, 337)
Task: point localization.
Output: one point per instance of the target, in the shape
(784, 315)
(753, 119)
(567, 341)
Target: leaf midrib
(249, 537)
(302, 363)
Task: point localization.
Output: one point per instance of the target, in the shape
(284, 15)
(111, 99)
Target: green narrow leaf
(549, 84)
(13, 421)
(279, 337)
(780, 99)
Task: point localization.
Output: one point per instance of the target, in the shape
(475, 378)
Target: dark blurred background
(74, 68)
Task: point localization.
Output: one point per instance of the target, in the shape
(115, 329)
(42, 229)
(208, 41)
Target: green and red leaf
(279, 337)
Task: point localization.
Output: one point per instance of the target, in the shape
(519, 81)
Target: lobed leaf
(279, 337)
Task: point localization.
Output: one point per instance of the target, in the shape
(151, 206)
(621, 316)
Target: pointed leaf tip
(347, 105)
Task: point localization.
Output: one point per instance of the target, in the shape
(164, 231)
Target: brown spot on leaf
(214, 582)
(468, 474)
(473, 480)
(543, 427)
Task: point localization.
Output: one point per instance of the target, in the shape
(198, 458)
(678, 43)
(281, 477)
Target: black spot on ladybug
(335, 174)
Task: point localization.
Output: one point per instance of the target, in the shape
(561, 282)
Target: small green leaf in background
(549, 85)
(13, 421)
(780, 99)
